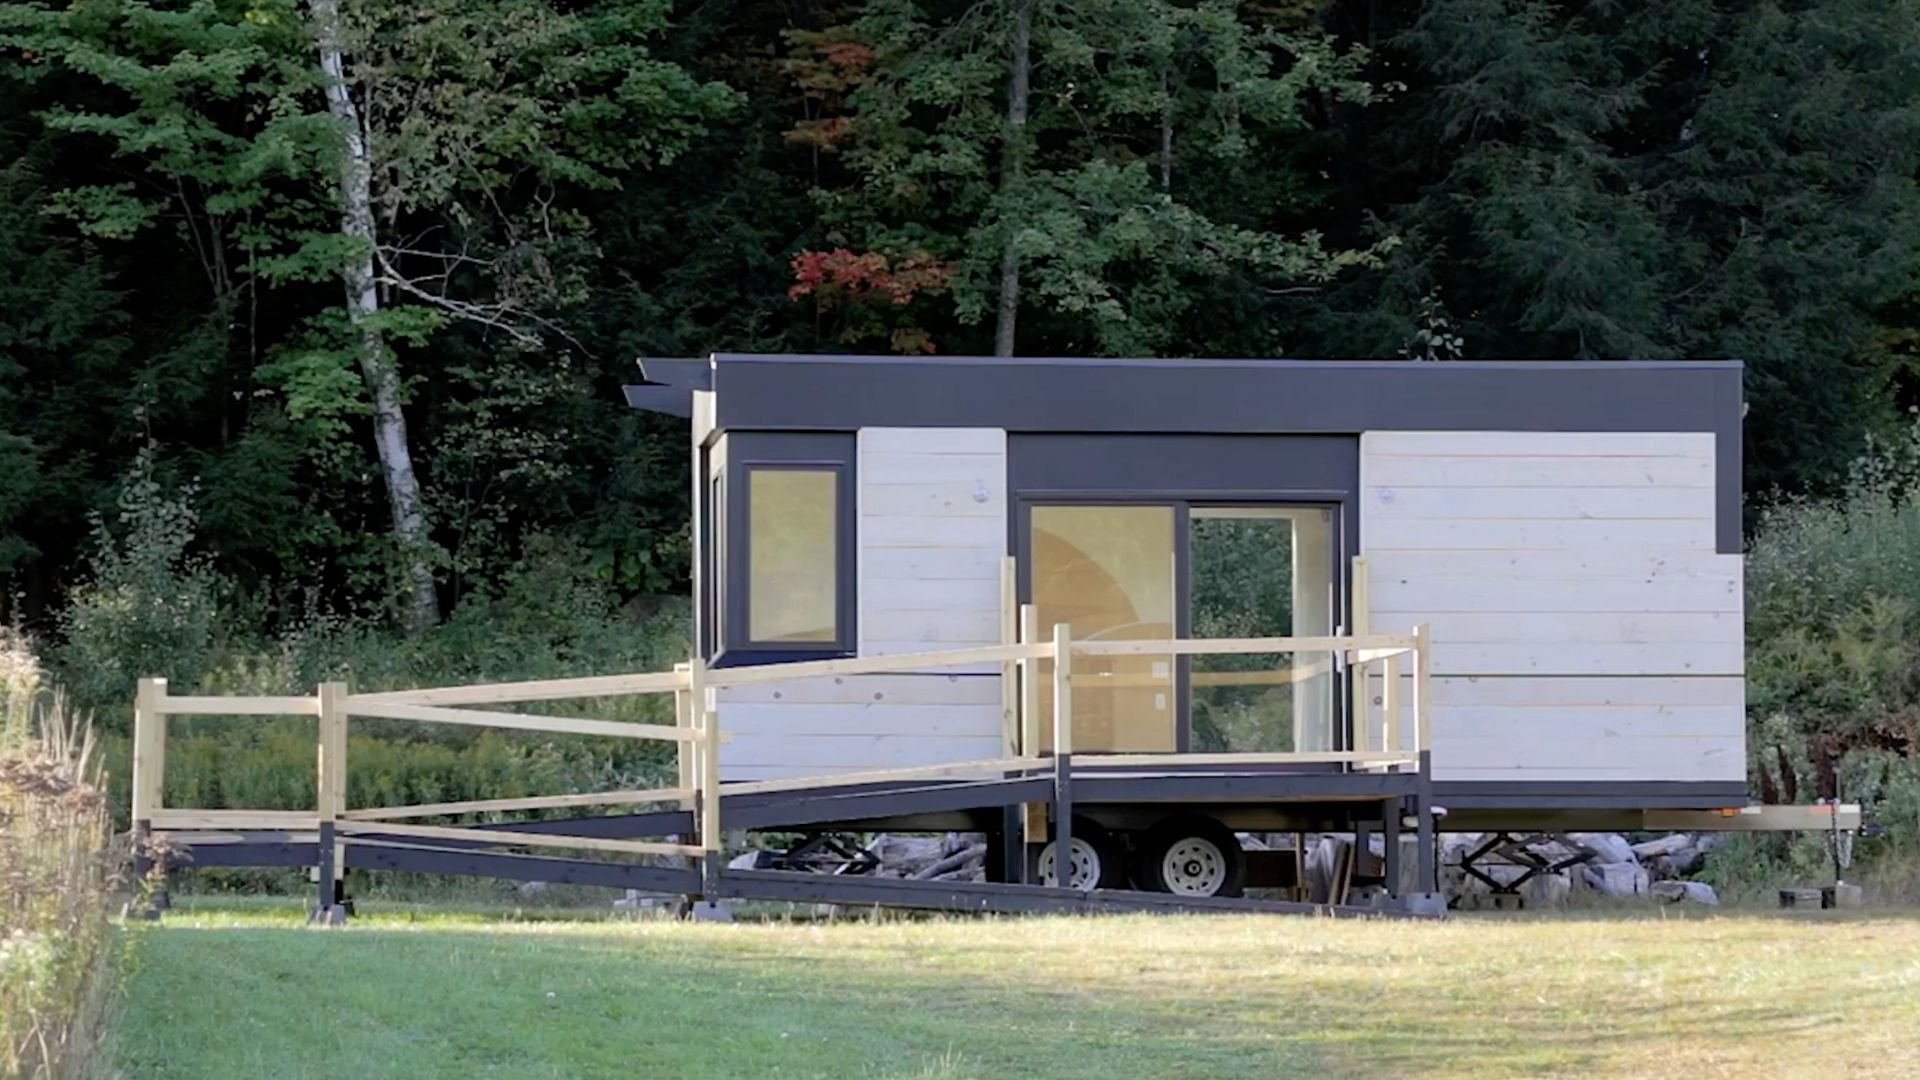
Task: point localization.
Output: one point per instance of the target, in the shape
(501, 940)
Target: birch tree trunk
(1013, 172)
(363, 304)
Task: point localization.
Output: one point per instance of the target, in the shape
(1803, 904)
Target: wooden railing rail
(1392, 738)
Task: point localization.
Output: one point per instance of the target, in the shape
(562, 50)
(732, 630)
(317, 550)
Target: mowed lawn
(222, 993)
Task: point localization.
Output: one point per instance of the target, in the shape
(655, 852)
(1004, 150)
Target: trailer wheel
(1097, 862)
(1192, 856)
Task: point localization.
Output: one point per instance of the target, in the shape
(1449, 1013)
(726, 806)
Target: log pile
(1603, 863)
(953, 857)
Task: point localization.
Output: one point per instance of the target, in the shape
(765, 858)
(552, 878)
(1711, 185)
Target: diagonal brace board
(537, 690)
(515, 839)
(532, 802)
(365, 705)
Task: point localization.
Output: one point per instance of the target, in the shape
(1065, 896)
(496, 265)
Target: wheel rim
(1194, 866)
(1086, 865)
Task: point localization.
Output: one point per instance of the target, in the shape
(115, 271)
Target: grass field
(253, 993)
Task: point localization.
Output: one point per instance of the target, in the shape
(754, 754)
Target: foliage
(58, 871)
(1444, 180)
(1118, 195)
(1649, 180)
(1833, 608)
(151, 606)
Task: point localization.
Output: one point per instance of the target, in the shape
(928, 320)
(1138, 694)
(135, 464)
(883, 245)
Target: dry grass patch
(57, 873)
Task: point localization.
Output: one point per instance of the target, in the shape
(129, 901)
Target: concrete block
(1842, 895)
(1425, 903)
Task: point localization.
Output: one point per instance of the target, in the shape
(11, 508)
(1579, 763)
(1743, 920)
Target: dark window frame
(816, 452)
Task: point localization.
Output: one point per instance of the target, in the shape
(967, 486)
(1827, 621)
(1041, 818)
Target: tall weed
(58, 871)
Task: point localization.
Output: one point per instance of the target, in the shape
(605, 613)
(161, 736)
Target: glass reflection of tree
(1242, 586)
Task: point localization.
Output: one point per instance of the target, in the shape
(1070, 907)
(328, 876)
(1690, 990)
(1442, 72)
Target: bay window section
(783, 524)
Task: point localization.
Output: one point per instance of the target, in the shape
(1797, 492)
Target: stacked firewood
(953, 857)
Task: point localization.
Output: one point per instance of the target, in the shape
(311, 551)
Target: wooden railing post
(1422, 690)
(1009, 671)
(330, 794)
(149, 774)
(1063, 755)
(1389, 704)
(149, 749)
(686, 756)
(1034, 825)
(1357, 673)
(703, 703)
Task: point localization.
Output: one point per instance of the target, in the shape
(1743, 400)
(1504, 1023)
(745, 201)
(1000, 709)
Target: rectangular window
(793, 548)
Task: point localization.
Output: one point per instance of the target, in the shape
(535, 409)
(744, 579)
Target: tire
(1108, 869)
(1191, 856)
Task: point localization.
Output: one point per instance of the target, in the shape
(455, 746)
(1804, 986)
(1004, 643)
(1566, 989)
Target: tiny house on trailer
(1568, 533)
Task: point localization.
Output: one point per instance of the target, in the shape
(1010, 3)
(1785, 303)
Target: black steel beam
(1427, 862)
(1216, 787)
(245, 853)
(996, 898)
(415, 858)
(1594, 794)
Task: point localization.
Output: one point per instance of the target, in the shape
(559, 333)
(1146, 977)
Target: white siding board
(1610, 565)
(1526, 470)
(909, 594)
(1566, 694)
(1563, 758)
(815, 727)
(934, 629)
(1413, 599)
(930, 500)
(1523, 725)
(1531, 534)
(822, 754)
(813, 722)
(932, 564)
(1501, 444)
(1565, 503)
(1584, 626)
(953, 534)
(969, 469)
(905, 689)
(1608, 628)
(931, 440)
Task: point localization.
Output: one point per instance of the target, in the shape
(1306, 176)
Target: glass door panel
(1262, 572)
(1108, 572)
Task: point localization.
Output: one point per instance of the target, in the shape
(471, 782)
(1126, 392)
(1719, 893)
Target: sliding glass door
(1146, 571)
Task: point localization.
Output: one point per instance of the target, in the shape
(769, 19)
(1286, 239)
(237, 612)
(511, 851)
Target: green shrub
(149, 607)
(1833, 668)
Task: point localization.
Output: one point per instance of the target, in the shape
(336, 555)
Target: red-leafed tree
(865, 294)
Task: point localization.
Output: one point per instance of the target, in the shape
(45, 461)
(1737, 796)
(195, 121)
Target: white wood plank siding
(812, 727)
(1584, 626)
(931, 530)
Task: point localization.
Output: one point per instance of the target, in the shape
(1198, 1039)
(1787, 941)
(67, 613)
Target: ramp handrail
(697, 738)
